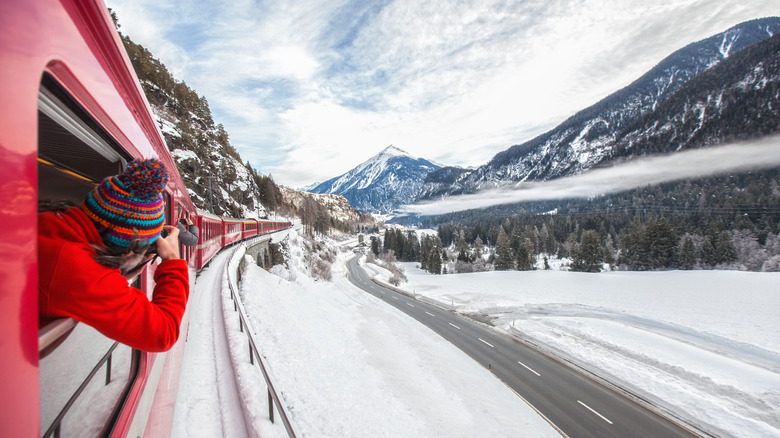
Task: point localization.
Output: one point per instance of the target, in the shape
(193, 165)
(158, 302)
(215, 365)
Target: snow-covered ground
(702, 344)
(208, 403)
(349, 365)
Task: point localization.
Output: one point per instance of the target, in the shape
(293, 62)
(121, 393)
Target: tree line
(725, 222)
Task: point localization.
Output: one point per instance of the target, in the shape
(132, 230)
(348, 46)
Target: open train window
(74, 154)
(83, 375)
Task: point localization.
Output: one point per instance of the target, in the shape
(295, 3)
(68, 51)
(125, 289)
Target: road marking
(429, 313)
(410, 304)
(528, 368)
(485, 342)
(454, 326)
(395, 298)
(592, 410)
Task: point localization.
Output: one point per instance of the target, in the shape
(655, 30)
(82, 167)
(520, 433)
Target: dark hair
(107, 254)
(49, 205)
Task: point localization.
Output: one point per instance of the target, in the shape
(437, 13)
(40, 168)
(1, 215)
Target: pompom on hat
(129, 205)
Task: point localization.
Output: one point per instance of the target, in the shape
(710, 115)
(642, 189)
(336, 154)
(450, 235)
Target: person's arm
(186, 236)
(100, 297)
(195, 231)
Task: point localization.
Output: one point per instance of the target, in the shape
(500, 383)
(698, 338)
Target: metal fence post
(108, 369)
(270, 406)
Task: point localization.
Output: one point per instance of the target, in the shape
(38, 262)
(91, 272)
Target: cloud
(736, 158)
(455, 82)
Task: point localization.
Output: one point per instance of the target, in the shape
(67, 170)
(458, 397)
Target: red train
(73, 112)
(218, 232)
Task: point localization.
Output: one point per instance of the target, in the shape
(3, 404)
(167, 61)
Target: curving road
(577, 405)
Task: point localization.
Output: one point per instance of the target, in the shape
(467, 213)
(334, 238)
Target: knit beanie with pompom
(129, 204)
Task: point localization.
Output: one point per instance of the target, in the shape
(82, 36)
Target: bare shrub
(319, 259)
(397, 276)
(321, 269)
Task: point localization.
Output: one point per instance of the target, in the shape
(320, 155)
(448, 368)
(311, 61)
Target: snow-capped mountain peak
(392, 151)
(381, 183)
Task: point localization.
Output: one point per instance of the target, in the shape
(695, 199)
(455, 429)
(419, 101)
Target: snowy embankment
(349, 365)
(702, 345)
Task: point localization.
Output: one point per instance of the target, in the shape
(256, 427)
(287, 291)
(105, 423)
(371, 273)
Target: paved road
(576, 404)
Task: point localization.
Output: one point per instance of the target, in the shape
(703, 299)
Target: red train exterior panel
(73, 43)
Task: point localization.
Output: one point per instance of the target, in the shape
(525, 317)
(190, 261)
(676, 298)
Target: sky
(308, 90)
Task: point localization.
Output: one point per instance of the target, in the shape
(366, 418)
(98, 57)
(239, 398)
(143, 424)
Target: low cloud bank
(711, 161)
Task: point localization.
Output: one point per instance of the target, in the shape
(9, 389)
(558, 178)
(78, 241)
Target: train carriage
(210, 240)
(231, 230)
(73, 112)
(249, 228)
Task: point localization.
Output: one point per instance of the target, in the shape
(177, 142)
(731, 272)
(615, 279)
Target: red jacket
(72, 284)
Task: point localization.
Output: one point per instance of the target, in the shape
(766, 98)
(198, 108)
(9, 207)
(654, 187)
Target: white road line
(592, 410)
(485, 342)
(410, 304)
(454, 326)
(395, 298)
(429, 313)
(528, 368)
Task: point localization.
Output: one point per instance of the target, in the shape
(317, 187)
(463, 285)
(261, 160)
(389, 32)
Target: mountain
(599, 133)
(382, 183)
(442, 181)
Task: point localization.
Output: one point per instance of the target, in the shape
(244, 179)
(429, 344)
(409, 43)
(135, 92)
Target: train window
(168, 208)
(85, 375)
(74, 154)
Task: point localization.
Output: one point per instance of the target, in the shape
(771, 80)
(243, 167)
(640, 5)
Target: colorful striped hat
(129, 204)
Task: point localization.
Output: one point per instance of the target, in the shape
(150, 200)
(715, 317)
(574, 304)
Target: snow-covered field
(702, 344)
(349, 365)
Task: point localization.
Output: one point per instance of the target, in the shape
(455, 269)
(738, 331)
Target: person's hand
(189, 221)
(168, 247)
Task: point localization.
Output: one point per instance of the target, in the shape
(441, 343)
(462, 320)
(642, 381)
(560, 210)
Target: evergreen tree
(412, 248)
(687, 257)
(725, 252)
(375, 246)
(425, 251)
(504, 260)
(572, 246)
(589, 257)
(434, 257)
(463, 248)
(634, 246)
(609, 250)
(660, 242)
(525, 255)
(390, 241)
(708, 256)
(479, 247)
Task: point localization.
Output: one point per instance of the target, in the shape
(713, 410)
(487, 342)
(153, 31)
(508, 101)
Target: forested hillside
(216, 177)
(727, 222)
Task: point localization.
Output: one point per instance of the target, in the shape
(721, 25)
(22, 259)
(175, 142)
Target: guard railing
(254, 354)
